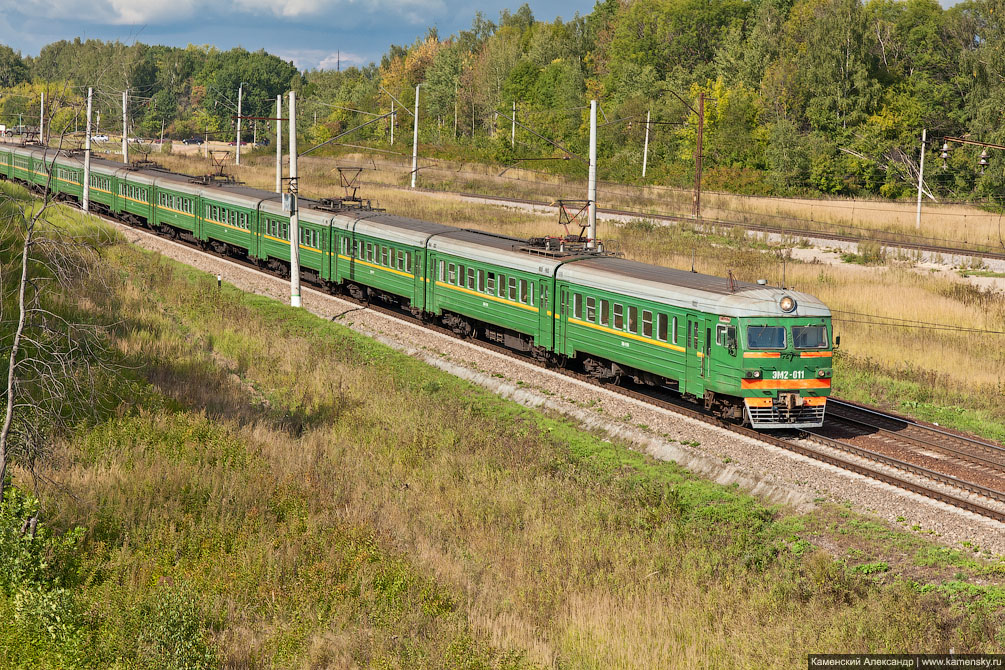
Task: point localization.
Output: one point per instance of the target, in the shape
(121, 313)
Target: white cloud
(343, 59)
(154, 12)
(133, 12)
(412, 10)
(108, 12)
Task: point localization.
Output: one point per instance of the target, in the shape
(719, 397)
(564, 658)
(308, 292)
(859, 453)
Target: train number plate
(785, 374)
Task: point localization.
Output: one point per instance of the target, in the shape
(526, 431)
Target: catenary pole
(392, 121)
(87, 155)
(512, 130)
(592, 192)
(645, 150)
(240, 91)
(295, 214)
(921, 176)
(41, 121)
(279, 143)
(415, 137)
(125, 145)
(696, 208)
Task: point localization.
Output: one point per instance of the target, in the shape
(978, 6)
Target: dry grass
(941, 225)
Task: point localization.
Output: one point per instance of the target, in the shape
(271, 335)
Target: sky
(311, 33)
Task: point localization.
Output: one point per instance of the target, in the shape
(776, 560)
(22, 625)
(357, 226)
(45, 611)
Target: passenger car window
(591, 309)
(633, 319)
(605, 312)
(766, 337)
(661, 327)
(512, 289)
(524, 298)
(577, 305)
(647, 323)
(675, 330)
(619, 316)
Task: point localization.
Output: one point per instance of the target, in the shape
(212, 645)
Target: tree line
(802, 96)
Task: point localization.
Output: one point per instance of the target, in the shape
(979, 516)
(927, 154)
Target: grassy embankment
(951, 377)
(273, 490)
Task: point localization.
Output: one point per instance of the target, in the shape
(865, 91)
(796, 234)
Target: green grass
(274, 490)
(981, 273)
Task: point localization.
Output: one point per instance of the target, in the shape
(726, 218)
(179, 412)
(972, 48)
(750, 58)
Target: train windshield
(809, 337)
(766, 337)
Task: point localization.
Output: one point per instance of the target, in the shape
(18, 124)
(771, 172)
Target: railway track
(946, 488)
(969, 251)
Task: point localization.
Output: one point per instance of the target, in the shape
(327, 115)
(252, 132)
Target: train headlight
(823, 373)
(788, 303)
(752, 374)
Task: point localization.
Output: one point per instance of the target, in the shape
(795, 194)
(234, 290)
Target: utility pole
(41, 121)
(125, 145)
(240, 91)
(696, 209)
(87, 155)
(591, 243)
(294, 206)
(921, 175)
(512, 131)
(279, 143)
(415, 137)
(455, 111)
(205, 145)
(392, 121)
(645, 151)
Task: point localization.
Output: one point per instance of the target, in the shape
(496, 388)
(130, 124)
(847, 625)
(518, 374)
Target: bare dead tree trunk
(12, 359)
(53, 357)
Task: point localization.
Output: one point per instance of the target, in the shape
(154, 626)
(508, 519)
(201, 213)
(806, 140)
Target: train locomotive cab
(785, 370)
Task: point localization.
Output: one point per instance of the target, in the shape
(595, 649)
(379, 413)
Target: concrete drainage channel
(770, 472)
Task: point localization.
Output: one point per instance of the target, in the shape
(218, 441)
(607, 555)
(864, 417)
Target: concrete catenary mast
(592, 194)
(294, 214)
(87, 154)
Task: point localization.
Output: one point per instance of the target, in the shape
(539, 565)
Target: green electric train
(747, 352)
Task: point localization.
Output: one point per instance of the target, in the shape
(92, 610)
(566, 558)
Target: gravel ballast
(772, 473)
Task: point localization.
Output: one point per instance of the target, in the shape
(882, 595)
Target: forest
(801, 97)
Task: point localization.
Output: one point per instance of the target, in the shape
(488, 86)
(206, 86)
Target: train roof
(491, 248)
(688, 290)
(399, 229)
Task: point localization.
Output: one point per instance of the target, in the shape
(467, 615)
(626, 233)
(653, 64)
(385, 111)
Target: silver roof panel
(397, 228)
(497, 249)
(688, 290)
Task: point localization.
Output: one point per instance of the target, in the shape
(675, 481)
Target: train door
(545, 320)
(417, 268)
(561, 322)
(696, 355)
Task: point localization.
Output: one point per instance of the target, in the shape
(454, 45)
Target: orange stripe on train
(764, 384)
(816, 354)
(761, 354)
